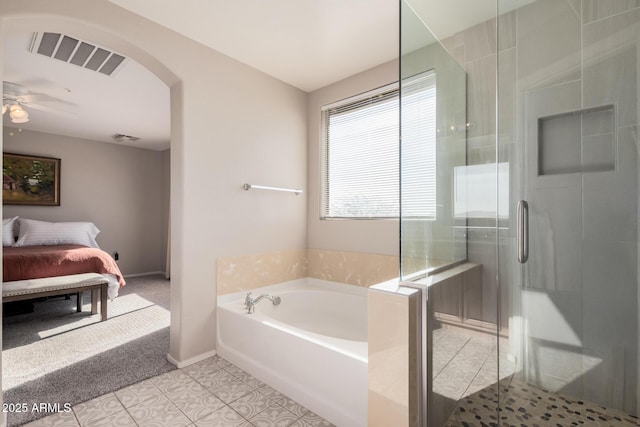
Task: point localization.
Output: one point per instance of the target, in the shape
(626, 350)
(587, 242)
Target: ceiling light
(18, 115)
(4, 109)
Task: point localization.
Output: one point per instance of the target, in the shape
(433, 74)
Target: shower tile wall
(611, 38)
(583, 224)
(559, 56)
(476, 51)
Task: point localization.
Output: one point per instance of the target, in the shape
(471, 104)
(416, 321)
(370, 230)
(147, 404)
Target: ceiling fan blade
(43, 98)
(52, 110)
(13, 89)
(37, 101)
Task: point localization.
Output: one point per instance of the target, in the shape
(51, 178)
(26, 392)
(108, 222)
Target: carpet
(54, 355)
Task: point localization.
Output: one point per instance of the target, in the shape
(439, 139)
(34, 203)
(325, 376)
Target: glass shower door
(525, 235)
(568, 128)
(449, 204)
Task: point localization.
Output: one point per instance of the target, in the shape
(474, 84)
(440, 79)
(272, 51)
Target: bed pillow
(34, 233)
(8, 231)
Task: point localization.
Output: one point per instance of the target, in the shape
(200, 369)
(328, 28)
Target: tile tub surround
(353, 268)
(212, 392)
(247, 272)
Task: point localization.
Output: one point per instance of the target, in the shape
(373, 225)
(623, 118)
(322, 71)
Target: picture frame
(30, 180)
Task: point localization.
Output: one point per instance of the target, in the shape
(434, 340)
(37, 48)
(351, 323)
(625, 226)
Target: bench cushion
(35, 286)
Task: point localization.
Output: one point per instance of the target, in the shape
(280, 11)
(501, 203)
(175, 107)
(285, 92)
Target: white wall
(230, 124)
(371, 236)
(166, 207)
(118, 188)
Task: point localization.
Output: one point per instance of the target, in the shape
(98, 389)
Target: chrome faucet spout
(250, 302)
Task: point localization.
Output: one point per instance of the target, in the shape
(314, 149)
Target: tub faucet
(250, 302)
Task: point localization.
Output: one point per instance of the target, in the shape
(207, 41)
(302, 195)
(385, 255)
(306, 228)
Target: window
(361, 153)
(419, 147)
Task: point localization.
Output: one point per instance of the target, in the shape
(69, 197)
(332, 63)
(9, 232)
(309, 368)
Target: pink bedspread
(35, 262)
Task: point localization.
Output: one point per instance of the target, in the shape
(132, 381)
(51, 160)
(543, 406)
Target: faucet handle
(248, 303)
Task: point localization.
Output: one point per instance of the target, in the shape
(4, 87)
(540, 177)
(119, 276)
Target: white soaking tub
(311, 347)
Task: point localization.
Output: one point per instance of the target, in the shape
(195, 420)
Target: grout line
(76, 417)
(124, 407)
(478, 373)
(451, 359)
(608, 17)
(98, 397)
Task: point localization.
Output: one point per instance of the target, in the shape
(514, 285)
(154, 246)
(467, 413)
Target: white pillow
(33, 233)
(8, 232)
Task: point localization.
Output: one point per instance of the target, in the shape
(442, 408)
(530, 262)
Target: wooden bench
(49, 286)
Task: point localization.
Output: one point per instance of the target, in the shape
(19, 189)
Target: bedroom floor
(90, 357)
(209, 393)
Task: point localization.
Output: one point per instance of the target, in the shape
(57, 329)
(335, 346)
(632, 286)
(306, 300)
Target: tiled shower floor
(523, 405)
(465, 371)
(210, 393)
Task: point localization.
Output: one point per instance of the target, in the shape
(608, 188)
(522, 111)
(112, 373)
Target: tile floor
(210, 393)
(465, 362)
(214, 392)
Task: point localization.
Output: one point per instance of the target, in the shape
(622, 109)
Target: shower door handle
(522, 232)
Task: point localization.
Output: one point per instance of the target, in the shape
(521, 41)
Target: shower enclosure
(519, 196)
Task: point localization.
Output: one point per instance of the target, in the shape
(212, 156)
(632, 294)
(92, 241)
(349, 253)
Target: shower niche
(577, 141)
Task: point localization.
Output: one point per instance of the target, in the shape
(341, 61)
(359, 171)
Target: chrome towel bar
(263, 187)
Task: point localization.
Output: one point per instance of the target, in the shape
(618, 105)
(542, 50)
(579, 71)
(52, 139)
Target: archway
(31, 17)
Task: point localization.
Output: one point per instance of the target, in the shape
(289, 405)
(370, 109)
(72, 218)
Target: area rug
(54, 356)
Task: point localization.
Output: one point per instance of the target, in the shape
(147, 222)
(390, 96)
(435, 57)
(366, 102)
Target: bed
(64, 251)
(35, 262)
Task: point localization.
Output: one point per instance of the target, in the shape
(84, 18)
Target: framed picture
(30, 180)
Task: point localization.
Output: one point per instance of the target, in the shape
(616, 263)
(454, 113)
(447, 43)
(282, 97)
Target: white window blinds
(418, 174)
(361, 154)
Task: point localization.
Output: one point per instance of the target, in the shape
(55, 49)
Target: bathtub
(312, 347)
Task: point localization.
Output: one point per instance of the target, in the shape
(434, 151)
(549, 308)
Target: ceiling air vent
(77, 52)
(120, 137)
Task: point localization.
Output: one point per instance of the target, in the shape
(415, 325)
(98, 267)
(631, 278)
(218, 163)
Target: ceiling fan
(15, 98)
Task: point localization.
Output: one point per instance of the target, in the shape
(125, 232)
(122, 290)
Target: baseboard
(150, 273)
(191, 360)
